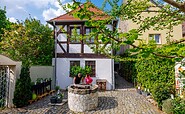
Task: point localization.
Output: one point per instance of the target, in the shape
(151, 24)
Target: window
(74, 63)
(75, 34)
(156, 37)
(91, 64)
(90, 38)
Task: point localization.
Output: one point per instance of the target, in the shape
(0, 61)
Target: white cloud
(53, 12)
(13, 5)
(12, 19)
(49, 13)
(21, 9)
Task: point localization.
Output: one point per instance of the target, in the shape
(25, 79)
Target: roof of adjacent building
(69, 16)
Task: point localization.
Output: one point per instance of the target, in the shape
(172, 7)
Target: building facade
(72, 50)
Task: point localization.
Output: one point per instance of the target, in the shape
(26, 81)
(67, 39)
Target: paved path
(110, 102)
(124, 100)
(121, 83)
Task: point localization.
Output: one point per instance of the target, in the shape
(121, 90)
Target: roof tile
(69, 16)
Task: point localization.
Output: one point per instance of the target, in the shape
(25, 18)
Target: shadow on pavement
(106, 103)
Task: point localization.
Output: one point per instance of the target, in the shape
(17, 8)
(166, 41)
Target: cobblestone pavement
(125, 101)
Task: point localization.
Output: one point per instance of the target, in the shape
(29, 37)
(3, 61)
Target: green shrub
(23, 91)
(2, 102)
(178, 106)
(74, 70)
(167, 106)
(161, 92)
(153, 70)
(57, 88)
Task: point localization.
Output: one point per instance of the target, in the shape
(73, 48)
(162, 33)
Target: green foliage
(165, 17)
(87, 70)
(30, 42)
(178, 106)
(4, 23)
(157, 75)
(153, 70)
(2, 102)
(160, 92)
(23, 91)
(57, 88)
(39, 80)
(155, 64)
(74, 70)
(167, 106)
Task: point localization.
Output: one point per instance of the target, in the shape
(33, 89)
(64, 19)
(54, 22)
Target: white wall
(103, 71)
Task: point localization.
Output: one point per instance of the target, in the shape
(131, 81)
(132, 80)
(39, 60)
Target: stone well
(82, 98)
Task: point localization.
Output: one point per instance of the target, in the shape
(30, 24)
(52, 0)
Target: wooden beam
(81, 55)
(63, 42)
(82, 29)
(61, 46)
(60, 30)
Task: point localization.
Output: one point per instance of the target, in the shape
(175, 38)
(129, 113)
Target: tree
(4, 23)
(171, 13)
(179, 4)
(23, 91)
(29, 41)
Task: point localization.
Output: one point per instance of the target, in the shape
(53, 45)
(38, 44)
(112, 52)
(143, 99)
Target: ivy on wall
(154, 70)
(152, 73)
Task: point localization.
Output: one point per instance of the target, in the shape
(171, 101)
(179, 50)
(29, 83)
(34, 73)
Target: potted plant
(145, 92)
(53, 99)
(138, 89)
(57, 88)
(59, 97)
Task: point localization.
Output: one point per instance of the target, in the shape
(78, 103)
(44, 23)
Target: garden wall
(42, 72)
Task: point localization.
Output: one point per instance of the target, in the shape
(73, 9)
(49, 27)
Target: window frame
(85, 34)
(154, 37)
(80, 33)
(92, 65)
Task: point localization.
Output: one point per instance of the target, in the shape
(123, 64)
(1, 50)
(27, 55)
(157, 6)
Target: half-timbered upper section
(70, 30)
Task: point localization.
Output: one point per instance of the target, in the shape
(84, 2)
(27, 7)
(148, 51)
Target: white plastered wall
(104, 68)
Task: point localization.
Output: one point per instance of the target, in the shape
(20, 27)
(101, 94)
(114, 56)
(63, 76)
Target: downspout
(112, 62)
(113, 82)
(55, 64)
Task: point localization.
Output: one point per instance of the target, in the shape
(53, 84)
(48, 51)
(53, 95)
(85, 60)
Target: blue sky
(40, 9)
